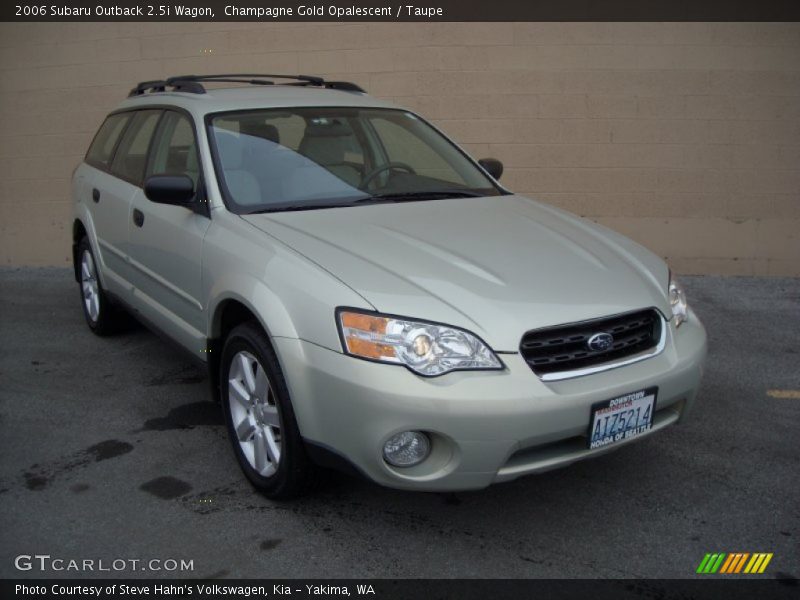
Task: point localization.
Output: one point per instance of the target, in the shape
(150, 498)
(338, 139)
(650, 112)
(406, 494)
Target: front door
(165, 242)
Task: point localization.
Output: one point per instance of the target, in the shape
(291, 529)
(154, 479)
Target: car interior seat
(326, 142)
(241, 182)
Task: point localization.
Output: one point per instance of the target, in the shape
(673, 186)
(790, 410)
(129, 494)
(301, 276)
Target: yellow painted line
(784, 394)
(757, 564)
(765, 563)
(749, 566)
(727, 562)
(741, 562)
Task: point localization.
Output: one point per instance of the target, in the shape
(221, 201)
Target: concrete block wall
(684, 136)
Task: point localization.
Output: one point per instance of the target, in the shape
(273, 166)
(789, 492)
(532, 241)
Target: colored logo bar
(736, 562)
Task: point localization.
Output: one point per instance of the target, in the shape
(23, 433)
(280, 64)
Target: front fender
(257, 298)
(291, 296)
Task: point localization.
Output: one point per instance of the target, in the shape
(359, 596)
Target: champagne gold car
(368, 297)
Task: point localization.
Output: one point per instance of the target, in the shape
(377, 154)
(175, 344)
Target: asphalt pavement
(111, 449)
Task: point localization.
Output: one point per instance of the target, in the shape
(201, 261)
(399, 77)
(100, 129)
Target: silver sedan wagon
(368, 297)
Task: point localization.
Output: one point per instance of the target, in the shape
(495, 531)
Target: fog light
(406, 449)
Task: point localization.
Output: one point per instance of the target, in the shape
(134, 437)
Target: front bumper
(486, 427)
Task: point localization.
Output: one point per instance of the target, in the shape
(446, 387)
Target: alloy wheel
(90, 287)
(254, 413)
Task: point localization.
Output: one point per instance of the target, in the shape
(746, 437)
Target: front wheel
(259, 416)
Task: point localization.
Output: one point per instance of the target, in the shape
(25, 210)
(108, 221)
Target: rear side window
(130, 158)
(102, 148)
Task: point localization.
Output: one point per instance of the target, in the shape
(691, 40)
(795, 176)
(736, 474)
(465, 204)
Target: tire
(259, 416)
(102, 317)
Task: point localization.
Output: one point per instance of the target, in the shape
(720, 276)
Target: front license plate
(622, 418)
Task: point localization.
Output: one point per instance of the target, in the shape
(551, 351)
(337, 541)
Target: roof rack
(193, 84)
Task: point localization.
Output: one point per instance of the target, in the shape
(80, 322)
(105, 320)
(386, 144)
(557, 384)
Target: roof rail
(344, 86)
(193, 84)
(157, 85)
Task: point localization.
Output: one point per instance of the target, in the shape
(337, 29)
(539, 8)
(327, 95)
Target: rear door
(127, 174)
(166, 241)
(109, 203)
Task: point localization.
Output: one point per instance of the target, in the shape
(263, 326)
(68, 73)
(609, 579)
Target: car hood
(496, 266)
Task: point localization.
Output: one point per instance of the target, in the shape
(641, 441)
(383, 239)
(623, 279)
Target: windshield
(304, 158)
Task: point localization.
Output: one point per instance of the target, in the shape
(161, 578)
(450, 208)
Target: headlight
(425, 348)
(677, 301)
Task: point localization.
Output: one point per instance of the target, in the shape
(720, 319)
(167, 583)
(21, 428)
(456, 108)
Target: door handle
(138, 217)
(96, 195)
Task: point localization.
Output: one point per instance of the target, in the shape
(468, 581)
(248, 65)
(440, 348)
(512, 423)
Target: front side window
(131, 156)
(102, 149)
(288, 159)
(175, 149)
(412, 146)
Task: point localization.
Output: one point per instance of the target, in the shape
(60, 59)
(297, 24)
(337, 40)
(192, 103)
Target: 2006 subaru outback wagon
(366, 295)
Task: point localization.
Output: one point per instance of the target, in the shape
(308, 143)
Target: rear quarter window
(102, 149)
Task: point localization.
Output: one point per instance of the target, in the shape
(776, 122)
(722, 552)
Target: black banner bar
(705, 588)
(402, 10)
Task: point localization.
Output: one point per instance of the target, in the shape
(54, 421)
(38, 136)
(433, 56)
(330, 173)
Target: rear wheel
(101, 315)
(259, 416)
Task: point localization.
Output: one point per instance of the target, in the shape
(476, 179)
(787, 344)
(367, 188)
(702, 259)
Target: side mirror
(169, 189)
(493, 167)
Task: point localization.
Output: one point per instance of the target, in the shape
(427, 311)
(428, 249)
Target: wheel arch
(83, 227)
(78, 233)
(233, 309)
(263, 307)
(229, 313)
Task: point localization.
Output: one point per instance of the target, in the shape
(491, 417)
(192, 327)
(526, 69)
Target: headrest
(322, 127)
(326, 141)
(258, 128)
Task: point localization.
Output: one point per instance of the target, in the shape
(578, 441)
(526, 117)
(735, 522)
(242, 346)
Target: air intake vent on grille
(567, 347)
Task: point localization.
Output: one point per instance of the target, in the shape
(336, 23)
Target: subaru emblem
(600, 342)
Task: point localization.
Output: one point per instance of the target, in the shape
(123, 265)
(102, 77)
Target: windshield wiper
(423, 195)
(388, 197)
(298, 206)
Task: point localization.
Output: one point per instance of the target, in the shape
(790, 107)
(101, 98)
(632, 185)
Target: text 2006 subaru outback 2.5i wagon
(366, 295)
